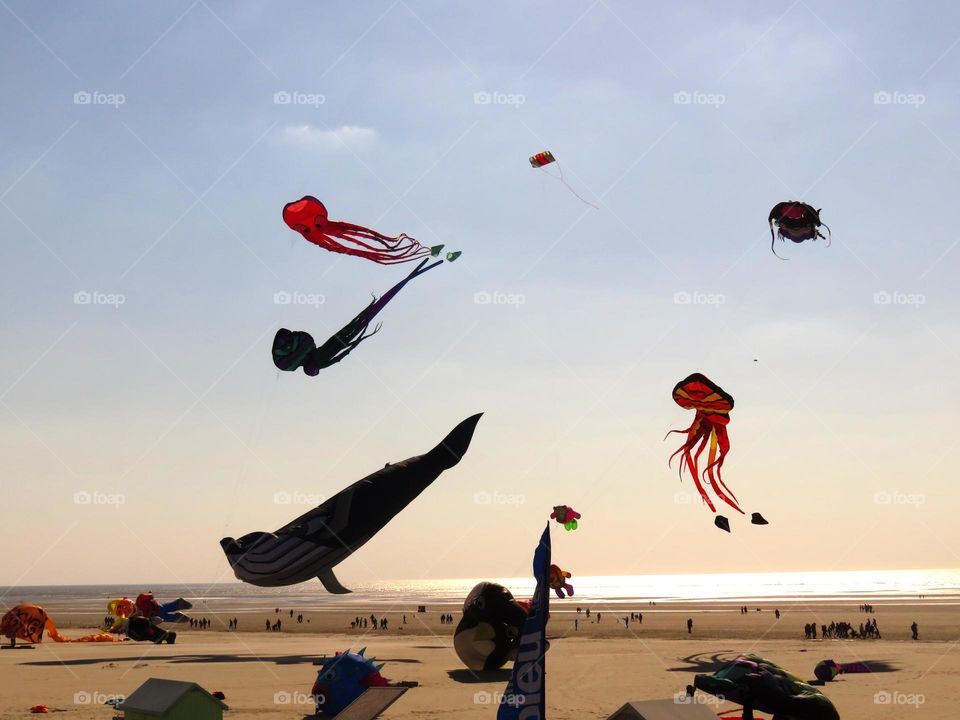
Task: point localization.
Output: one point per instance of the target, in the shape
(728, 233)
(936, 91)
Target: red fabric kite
(712, 406)
(308, 216)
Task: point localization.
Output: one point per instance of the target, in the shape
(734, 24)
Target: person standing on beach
(576, 623)
(689, 626)
(777, 613)
(915, 630)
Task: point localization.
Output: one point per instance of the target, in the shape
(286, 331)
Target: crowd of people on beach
(843, 631)
(375, 623)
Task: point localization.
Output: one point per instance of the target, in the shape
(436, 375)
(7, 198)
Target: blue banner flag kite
(525, 696)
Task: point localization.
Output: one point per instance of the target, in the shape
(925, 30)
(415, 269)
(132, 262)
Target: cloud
(340, 138)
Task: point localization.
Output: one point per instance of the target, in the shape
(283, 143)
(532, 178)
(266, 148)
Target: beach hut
(662, 710)
(171, 700)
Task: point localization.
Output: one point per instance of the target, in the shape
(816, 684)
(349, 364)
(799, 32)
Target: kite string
(567, 186)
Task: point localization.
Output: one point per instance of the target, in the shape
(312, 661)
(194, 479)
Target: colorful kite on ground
(760, 685)
(310, 546)
(294, 349)
(28, 623)
(308, 216)
(542, 159)
(566, 516)
(142, 629)
(712, 406)
(827, 670)
(795, 221)
(488, 634)
(342, 679)
(558, 581)
(151, 609)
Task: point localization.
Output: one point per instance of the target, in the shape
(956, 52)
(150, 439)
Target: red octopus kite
(308, 216)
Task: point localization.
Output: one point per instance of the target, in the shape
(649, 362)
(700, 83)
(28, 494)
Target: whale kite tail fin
(331, 584)
(454, 446)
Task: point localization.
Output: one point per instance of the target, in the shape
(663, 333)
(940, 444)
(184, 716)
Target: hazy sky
(146, 153)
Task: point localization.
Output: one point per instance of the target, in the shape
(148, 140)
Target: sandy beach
(592, 670)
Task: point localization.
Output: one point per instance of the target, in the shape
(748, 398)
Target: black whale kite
(310, 546)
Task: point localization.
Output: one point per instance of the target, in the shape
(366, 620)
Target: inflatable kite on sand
(139, 618)
(28, 623)
(308, 216)
(795, 221)
(827, 670)
(488, 634)
(342, 679)
(760, 685)
(294, 349)
(315, 542)
(558, 581)
(566, 516)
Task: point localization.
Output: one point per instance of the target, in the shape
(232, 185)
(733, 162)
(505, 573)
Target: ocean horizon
(940, 585)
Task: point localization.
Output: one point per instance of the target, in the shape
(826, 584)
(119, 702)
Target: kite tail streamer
(568, 187)
(378, 305)
(52, 633)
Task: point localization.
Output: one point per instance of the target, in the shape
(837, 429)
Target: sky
(146, 154)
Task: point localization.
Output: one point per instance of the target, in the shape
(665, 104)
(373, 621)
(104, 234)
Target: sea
(862, 586)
